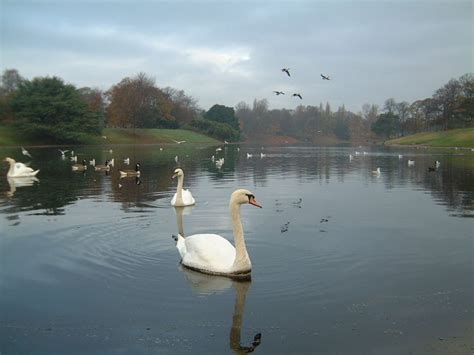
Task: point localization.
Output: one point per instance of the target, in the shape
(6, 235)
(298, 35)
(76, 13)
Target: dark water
(367, 264)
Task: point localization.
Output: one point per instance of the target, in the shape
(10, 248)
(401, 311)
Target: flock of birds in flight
(287, 71)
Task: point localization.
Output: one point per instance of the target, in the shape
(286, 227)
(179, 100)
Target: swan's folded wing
(209, 252)
(188, 197)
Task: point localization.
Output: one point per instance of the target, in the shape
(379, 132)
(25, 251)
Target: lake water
(344, 261)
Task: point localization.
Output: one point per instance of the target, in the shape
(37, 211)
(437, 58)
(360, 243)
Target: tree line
(451, 106)
(49, 108)
(55, 111)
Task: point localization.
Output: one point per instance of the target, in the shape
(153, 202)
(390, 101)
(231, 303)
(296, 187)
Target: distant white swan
(213, 254)
(126, 161)
(376, 172)
(437, 163)
(262, 155)
(181, 197)
(411, 162)
(249, 156)
(19, 169)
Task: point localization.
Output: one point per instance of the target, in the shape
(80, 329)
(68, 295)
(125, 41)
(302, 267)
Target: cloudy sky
(231, 51)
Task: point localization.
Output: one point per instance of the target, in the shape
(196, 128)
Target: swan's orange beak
(254, 202)
(174, 175)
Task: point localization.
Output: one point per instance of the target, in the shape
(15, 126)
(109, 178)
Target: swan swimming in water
(213, 254)
(19, 169)
(181, 197)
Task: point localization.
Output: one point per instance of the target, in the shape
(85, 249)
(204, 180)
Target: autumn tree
(137, 102)
(184, 108)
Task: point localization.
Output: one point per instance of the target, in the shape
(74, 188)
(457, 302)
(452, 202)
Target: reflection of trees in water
(452, 184)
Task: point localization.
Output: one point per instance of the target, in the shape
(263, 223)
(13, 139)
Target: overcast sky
(226, 52)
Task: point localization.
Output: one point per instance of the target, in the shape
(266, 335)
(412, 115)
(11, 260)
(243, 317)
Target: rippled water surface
(344, 261)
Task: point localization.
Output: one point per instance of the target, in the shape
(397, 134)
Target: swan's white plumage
(181, 197)
(207, 252)
(211, 253)
(19, 169)
(188, 198)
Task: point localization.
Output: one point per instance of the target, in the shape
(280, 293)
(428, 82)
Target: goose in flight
(179, 142)
(63, 152)
(278, 93)
(325, 77)
(298, 95)
(286, 70)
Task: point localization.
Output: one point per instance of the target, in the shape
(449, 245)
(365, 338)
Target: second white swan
(181, 197)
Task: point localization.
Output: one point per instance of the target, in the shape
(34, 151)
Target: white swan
(411, 162)
(213, 254)
(19, 169)
(181, 197)
(376, 172)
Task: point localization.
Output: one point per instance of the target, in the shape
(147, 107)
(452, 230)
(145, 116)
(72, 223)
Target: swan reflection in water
(17, 182)
(180, 212)
(208, 284)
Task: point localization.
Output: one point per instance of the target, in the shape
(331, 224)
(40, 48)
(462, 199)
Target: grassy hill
(9, 137)
(463, 137)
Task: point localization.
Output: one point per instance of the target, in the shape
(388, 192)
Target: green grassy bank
(9, 137)
(463, 137)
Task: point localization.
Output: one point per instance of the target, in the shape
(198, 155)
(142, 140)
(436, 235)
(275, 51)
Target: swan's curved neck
(242, 259)
(179, 190)
(11, 171)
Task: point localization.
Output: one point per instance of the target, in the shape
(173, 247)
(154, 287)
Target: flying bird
(25, 152)
(63, 152)
(279, 93)
(298, 95)
(286, 70)
(325, 77)
(179, 142)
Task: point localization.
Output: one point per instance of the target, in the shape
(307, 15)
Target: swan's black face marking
(250, 196)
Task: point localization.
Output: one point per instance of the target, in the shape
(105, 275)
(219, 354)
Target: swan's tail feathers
(35, 172)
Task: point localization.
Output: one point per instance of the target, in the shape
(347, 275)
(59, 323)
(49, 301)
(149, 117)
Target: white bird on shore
(376, 172)
(225, 142)
(19, 169)
(437, 163)
(218, 149)
(25, 152)
(411, 162)
(74, 158)
(249, 155)
(126, 161)
(112, 162)
(262, 155)
(92, 162)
